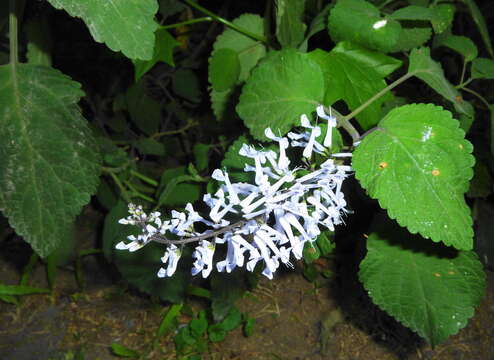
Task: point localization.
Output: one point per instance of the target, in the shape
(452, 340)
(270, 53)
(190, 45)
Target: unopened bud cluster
(274, 217)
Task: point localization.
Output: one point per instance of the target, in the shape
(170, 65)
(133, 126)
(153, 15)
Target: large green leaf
(353, 79)
(411, 38)
(49, 167)
(290, 28)
(359, 21)
(422, 66)
(140, 268)
(145, 112)
(414, 12)
(460, 44)
(224, 68)
(430, 289)
(418, 165)
(382, 64)
(163, 51)
(123, 25)
(445, 14)
(249, 52)
(284, 86)
(483, 68)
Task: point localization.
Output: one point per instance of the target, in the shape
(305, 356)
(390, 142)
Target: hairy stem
(378, 95)
(226, 22)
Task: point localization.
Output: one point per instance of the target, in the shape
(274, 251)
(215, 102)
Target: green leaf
(163, 52)
(176, 187)
(414, 12)
(199, 325)
(444, 17)
(40, 44)
(249, 51)
(483, 68)
(123, 25)
(9, 298)
(284, 86)
(225, 290)
(201, 156)
(324, 243)
(318, 24)
(149, 146)
(21, 290)
(216, 333)
(224, 69)
(140, 268)
(427, 288)
(311, 252)
(410, 38)
(123, 351)
(422, 66)
(360, 22)
(145, 112)
(232, 320)
(248, 329)
(418, 165)
(382, 64)
(460, 44)
(348, 78)
(50, 165)
(290, 28)
(186, 85)
(166, 323)
(479, 20)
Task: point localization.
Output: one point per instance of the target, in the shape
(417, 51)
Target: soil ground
(294, 320)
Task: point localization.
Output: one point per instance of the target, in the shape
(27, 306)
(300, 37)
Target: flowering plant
(279, 213)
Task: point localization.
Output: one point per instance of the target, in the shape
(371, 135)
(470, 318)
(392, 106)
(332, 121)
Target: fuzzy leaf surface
(49, 167)
(432, 291)
(284, 86)
(123, 25)
(360, 22)
(351, 78)
(418, 165)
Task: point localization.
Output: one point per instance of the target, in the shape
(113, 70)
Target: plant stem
(378, 95)
(137, 193)
(163, 240)
(481, 98)
(144, 178)
(188, 22)
(16, 8)
(124, 192)
(226, 22)
(189, 125)
(463, 70)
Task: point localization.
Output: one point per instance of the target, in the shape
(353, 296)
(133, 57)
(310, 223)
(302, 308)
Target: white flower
(268, 221)
(204, 258)
(171, 257)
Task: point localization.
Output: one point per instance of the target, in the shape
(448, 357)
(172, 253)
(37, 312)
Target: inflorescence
(276, 216)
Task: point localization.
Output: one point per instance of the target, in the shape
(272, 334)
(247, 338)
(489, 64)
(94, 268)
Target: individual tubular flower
(266, 221)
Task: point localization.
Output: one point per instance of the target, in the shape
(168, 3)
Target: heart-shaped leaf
(284, 86)
(430, 289)
(123, 25)
(49, 167)
(418, 165)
